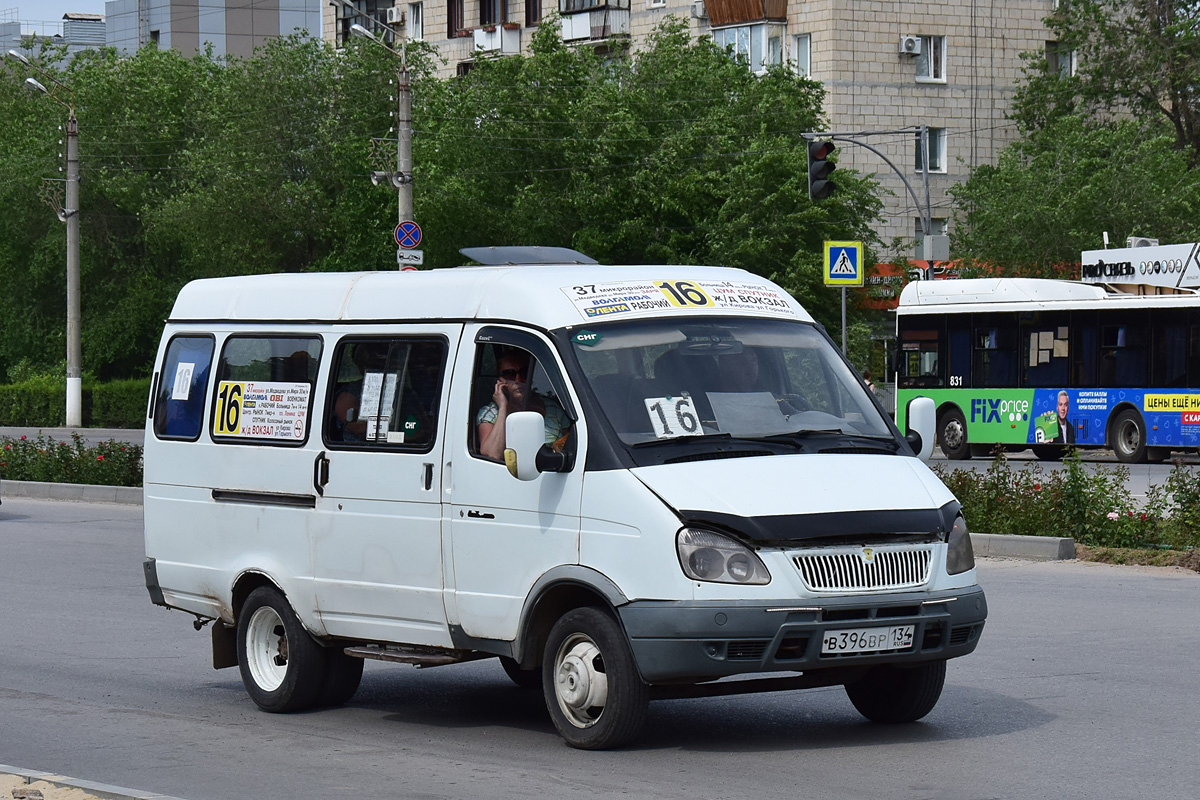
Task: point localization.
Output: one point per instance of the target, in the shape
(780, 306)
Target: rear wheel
(1129, 437)
(592, 687)
(898, 694)
(282, 666)
(952, 435)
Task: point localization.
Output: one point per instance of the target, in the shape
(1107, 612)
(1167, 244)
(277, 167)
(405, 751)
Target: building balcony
(501, 39)
(595, 23)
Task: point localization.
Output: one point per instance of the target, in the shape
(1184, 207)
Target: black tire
(952, 435)
(898, 694)
(282, 666)
(524, 678)
(1049, 452)
(1129, 437)
(587, 657)
(343, 674)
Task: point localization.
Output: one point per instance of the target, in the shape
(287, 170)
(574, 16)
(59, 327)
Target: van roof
(547, 296)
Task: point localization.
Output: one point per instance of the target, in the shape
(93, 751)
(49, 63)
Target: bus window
(1123, 358)
(1169, 358)
(1085, 349)
(1045, 348)
(995, 362)
(920, 358)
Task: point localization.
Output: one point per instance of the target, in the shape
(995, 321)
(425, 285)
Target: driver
(513, 393)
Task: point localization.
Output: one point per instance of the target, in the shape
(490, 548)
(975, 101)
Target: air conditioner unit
(910, 45)
(698, 10)
(395, 16)
(1140, 241)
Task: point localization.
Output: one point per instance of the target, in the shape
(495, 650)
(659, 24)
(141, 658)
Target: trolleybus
(1021, 362)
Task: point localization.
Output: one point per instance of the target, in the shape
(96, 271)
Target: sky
(34, 12)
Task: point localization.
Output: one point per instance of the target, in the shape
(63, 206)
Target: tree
(1135, 59)
(1053, 195)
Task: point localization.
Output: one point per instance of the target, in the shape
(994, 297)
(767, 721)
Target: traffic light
(819, 167)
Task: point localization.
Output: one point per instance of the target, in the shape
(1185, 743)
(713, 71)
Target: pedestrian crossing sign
(843, 264)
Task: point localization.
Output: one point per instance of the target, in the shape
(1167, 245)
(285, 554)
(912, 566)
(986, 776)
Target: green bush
(40, 402)
(119, 404)
(1093, 507)
(50, 460)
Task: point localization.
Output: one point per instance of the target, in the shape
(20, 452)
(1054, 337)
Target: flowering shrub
(1091, 505)
(51, 460)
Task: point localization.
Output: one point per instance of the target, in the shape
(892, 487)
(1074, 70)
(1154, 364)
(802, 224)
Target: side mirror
(524, 435)
(922, 426)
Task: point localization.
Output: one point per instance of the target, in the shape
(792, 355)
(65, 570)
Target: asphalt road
(1084, 686)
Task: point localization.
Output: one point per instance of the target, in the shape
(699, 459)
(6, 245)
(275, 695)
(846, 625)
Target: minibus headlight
(959, 555)
(708, 556)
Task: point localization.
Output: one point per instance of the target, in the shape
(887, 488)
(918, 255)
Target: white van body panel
(809, 484)
(628, 534)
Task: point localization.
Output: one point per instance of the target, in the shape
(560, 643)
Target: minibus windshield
(661, 380)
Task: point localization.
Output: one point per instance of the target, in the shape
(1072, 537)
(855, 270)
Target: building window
(760, 45)
(931, 63)
(937, 151)
(416, 21)
(802, 54)
(493, 12)
(454, 18)
(656, 3)
(1062, 62)
(533, 13)
(154, 37)
(571, 6)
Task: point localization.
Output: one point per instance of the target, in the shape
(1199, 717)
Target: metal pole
(844, 319)
(74, 343)
(404, 142)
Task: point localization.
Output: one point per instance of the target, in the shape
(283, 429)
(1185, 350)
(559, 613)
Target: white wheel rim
(579, 681)
(266, 649)
(1130, 437)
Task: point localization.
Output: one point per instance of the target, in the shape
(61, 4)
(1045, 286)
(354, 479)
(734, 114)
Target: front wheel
(898, 694)
(523, 678)
(952, 435)
(592, 687)
(1129, 437)
(282, 666)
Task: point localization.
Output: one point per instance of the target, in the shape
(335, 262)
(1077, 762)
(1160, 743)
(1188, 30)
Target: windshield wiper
(693, 438)
(887, 441)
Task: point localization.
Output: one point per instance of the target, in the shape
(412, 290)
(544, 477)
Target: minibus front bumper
(700, 640)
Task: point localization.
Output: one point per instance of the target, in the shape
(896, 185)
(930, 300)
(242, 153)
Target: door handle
(320, 473)
(428, 479)
(480, 515)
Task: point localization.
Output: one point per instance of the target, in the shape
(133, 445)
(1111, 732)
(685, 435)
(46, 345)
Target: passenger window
(264, 389)
(509, 379)
(386, 393)
(179, 404)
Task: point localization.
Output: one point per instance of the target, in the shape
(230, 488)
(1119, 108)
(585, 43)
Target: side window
(509, 379)
(385, 393)
(179, 404)
(264, 389)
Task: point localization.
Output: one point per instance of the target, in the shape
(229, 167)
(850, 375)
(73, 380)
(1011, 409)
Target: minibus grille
(866, 569)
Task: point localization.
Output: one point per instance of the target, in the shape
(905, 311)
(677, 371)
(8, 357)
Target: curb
(1030, 548)
(86, 493)
(96, 789)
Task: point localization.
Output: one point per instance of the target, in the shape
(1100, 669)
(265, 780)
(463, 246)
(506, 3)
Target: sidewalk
(16, 782)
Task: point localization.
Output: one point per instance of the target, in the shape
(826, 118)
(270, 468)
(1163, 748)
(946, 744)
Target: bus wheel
(1048, 452)
(952, 435)
(1129, 437)
(282, 667)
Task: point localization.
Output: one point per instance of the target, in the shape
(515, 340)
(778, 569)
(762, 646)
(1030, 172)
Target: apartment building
(77, 32)
(232, 27)
(888, 66)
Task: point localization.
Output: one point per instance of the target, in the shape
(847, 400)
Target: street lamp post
(402, 178)
(69, 215)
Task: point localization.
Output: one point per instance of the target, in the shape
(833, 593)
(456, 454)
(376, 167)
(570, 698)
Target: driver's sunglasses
(512, 374)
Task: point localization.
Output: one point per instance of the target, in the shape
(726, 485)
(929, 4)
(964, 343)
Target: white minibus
(624, 482)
